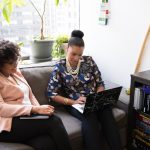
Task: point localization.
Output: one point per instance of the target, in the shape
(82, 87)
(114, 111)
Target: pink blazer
(11, 98)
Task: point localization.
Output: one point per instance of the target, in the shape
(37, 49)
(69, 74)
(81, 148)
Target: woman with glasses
(17, 99)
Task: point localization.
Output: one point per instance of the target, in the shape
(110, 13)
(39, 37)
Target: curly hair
(9, 52)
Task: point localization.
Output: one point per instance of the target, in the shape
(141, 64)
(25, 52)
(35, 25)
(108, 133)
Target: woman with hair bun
(79, 76)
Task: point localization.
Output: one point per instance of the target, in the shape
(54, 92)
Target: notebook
(96, 101)
(34, 116)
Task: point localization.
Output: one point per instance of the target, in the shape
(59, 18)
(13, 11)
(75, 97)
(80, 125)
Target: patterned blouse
(87, 81)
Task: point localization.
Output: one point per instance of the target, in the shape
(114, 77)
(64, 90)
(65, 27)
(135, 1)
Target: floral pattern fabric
(87, 81)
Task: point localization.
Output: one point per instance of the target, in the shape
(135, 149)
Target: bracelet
(66, 101)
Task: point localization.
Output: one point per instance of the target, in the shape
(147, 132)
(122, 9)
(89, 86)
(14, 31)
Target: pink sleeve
(34, 101)
(11, 110)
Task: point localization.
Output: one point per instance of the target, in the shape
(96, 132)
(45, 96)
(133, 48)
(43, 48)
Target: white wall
(116, 47)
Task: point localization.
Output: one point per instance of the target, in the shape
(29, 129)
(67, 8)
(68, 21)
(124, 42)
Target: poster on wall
(104, 12)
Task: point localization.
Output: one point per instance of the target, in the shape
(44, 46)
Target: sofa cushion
(14, 146)
(38, 78)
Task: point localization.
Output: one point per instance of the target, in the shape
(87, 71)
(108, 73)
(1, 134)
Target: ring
(51, 111)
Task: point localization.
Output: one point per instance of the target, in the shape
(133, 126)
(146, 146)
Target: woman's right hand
(43, 109)
(80, 100)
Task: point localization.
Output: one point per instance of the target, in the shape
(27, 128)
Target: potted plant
(41, 46)
(59, 46)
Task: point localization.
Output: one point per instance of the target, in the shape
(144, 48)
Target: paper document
(79, 107)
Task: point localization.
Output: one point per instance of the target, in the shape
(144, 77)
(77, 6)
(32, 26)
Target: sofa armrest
(123, 101)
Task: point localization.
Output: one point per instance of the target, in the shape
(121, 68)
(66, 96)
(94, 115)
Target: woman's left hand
(100, 89)
(80, 100)
(43, 109)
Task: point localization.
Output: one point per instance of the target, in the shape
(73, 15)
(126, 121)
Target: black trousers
(91, 128)
(41, 134)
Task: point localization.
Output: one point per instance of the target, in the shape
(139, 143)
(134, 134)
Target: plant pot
(64, 46)
(41, 50)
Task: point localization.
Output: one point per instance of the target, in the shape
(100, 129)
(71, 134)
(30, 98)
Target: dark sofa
(37, 78)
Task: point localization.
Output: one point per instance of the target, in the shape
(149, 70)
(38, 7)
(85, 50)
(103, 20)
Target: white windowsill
(29, 63)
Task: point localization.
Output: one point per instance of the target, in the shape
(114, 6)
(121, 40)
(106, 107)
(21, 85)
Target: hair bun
(77, 33)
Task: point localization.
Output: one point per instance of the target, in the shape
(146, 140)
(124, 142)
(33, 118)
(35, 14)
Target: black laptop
(97, 101)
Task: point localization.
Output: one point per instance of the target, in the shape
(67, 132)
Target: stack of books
(146, 97)
(142, 99)
(141, 132)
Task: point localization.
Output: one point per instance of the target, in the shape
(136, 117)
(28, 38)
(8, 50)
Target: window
(25, 22)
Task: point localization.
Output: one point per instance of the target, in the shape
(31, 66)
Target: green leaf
(20, 44)
(9, 7)
(19, 2)
(56, 2)
(6, 14)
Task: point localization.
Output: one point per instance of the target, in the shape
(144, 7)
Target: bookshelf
(139, 79)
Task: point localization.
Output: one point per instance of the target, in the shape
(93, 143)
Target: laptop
(98, 100)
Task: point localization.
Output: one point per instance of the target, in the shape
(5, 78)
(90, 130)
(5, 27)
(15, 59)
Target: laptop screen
(97, 101)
